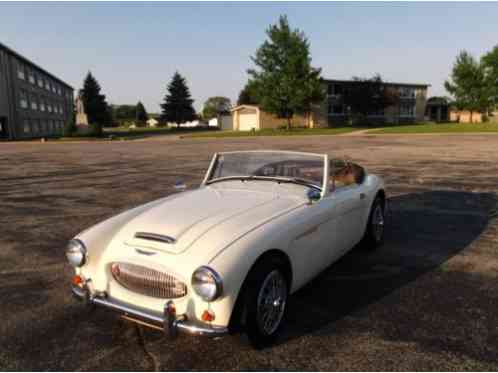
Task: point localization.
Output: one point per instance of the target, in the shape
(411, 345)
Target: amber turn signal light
(208, 316)
(77, 280)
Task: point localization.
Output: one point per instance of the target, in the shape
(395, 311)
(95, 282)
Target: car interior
(345, 174)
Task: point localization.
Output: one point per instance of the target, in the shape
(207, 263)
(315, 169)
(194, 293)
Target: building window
(47, 85)
(42, 105)
(377, 113)
(34, 103)
(59, 91)
(61, 110)
(49, 107)
(23, 100)
(20, 72)
(40, 81)
(407, 92)
(26, 128)
(335, 89)
(31, 77)
(336, 109)
(35, 126)
(407, 110)
(43, 125)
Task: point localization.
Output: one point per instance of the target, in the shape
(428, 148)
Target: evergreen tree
(140, 113)
(96, 107)
(284, 80)
(177, 107)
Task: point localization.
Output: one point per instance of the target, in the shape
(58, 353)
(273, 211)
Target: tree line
(284, 82)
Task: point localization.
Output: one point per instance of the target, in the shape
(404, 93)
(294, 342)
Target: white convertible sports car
(225, 257)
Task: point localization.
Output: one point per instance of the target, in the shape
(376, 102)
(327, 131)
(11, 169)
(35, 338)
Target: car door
(346, 203)
(350, 201)
(312, 243)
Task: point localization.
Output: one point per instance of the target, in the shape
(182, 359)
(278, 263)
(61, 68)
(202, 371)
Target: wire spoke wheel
(272, 299)
(378, 222)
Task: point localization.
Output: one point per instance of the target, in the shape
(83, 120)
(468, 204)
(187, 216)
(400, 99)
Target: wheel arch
(236, 318)
(381, 193)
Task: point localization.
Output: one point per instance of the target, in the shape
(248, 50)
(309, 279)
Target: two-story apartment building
(33, 102)
(411, 106)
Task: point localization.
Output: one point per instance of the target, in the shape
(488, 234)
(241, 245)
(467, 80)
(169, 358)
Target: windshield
(295, 167)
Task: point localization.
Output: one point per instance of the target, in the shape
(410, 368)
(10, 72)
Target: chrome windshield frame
(324, 189)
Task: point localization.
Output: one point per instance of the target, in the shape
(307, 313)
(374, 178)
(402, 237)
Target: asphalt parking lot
(427, 300)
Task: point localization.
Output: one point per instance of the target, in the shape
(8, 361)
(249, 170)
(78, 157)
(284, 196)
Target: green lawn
(439, 128)
(276, 132)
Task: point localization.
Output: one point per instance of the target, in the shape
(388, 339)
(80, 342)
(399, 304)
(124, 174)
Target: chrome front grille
(147, 281)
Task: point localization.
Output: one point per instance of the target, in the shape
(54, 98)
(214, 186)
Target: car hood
(219, 215)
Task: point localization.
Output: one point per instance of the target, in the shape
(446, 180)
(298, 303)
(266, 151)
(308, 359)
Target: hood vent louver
(155, 237)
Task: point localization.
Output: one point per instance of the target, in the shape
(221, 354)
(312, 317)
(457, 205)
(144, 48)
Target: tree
(96, 107)
(284, 81)
(216, 106)
(367, 96)
(247, 95)
(490, 65)
(140, 113)
(467, 84)
(177, 107)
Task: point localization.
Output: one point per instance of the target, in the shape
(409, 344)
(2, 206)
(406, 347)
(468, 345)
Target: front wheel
(266, 302)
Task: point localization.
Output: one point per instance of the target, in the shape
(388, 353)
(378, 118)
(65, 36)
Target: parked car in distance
(224, 257)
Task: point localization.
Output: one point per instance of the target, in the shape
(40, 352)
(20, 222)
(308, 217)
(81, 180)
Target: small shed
(251, 117)
(152, 122)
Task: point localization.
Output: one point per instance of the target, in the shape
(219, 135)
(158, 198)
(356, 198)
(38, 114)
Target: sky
(133, 49)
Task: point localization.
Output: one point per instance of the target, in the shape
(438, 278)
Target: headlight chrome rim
(197, 286)
(76, 253)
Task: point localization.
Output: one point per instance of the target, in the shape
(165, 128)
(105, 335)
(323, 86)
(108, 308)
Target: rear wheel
(266, 301)
(374, 234)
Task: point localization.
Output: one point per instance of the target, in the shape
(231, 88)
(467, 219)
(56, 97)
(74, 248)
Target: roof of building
(25, 60)
(239, 107)
(423, 85)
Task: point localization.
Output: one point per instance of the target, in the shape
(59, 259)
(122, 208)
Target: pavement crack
(156, 364)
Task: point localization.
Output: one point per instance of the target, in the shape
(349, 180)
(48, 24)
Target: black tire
(374, 233)
(269, 269)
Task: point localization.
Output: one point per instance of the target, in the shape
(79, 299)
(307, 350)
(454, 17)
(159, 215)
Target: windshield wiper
(227, 178)
(278, 179)
(297, 180)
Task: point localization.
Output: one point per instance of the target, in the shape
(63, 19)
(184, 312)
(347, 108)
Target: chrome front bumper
(168, 321)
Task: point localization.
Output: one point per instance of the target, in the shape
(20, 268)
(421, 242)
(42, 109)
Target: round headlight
(76, 253)
(207, 283)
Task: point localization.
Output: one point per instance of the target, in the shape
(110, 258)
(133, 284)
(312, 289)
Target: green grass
(439, 128)
(125, 133)
(276, 132)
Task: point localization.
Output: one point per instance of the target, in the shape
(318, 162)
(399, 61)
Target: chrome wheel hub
(272, 298)
(378, 222)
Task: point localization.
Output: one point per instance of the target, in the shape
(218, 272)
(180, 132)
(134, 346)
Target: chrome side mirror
(180, 186)
(313, 195)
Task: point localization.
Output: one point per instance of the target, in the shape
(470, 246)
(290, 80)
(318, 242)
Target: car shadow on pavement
(423, 231)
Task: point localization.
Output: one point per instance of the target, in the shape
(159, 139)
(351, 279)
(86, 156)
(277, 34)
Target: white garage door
(248, 121)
